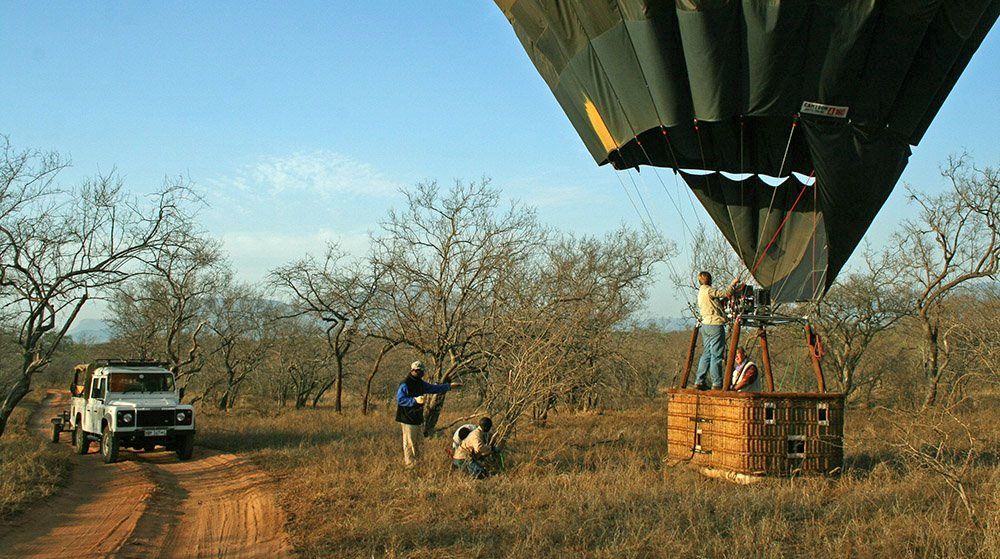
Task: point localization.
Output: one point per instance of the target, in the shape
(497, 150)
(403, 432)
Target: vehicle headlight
(181, 416)
(125, 417)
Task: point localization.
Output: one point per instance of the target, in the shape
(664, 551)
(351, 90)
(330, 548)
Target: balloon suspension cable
(642, 201)
(673, 202)
(817, 287)
(774, 193)
(693, 309)
(743, 124)
(788, 144)
(663, 185)
(812, 273)
(704, 165)
(621, 107)
(663, 130)
(635, 135)
(777, 232)
(676, 169)
(736, 235)
(812, 269)
(630, 199)
(670, 265)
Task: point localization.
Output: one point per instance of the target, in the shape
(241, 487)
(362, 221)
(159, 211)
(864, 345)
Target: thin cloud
(319, 173)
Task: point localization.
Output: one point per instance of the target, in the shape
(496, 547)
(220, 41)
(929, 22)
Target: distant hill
(90, 331)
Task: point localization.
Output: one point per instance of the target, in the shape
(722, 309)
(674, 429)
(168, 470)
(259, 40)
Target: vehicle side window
(98, 391)
(90, 383)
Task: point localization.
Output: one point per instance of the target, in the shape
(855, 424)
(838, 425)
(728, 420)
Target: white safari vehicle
(131, 404)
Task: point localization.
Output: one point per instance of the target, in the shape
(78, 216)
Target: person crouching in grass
(474, 447)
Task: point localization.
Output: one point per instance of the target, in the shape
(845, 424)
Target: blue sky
(299, 121)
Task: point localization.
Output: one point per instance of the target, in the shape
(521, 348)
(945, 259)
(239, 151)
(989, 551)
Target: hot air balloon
(790, 120)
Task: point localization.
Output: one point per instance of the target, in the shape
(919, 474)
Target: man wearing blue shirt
(410, 409)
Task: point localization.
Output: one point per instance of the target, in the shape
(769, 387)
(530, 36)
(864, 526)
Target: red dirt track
(149, 505)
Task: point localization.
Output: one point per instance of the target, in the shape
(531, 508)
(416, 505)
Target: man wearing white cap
(410, 409)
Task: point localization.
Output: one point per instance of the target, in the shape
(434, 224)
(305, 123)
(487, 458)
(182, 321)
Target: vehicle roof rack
(128, 363)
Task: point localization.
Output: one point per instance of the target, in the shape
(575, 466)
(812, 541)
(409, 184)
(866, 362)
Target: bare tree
(299, 360)
(58, 249)
(557, 335)
(941, 443)
(858, 308)
(136, 326)
(335, 293)
(602, 282)
(241, 320)
(380, 340)
(530, 367)
(26, 176)
(954, 241)
(384, 350)
(445, 257)
(653, 359)
(163, 314)
(971, 329)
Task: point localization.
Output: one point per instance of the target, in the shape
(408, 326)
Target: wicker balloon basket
(745, 436)
(757, 434)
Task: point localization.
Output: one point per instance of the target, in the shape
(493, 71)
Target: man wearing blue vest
(410, 397)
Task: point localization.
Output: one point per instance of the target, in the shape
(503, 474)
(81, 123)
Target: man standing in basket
(713, 332)
(410, 397)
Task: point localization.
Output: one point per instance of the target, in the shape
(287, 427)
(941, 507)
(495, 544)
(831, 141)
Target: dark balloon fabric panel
(719, 85)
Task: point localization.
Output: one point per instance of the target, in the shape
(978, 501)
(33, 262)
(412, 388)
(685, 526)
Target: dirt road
(150, 505)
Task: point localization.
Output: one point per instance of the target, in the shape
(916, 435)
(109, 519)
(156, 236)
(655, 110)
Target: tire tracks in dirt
(90, 517)
(200, 509)
(150, 505)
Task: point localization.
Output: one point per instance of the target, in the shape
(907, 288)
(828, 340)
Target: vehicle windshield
(140, 382)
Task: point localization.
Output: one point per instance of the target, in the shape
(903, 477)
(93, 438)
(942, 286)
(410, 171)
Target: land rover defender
(127, 404)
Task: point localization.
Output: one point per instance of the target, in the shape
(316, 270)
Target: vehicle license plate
(155, 432)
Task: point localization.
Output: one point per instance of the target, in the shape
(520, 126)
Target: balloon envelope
(832, 90)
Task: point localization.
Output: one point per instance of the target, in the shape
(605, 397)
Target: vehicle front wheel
(109, 447)
(185, 446)
(55, 432)
(80, 442)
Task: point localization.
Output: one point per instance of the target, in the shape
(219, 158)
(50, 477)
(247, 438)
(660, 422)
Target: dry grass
(30, 467)
(595, 485)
